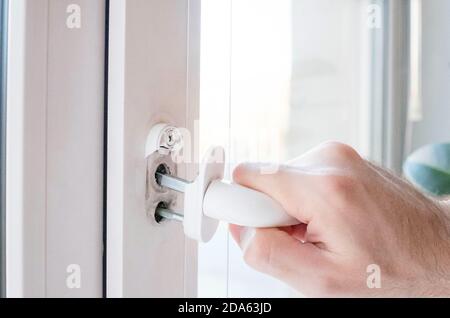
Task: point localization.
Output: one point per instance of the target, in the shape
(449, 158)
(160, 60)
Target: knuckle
(342, 151)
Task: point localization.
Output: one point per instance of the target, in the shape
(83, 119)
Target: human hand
(355, 217)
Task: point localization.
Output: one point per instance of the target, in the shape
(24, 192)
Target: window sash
(3, 71)
(154, 64)
(54, 199)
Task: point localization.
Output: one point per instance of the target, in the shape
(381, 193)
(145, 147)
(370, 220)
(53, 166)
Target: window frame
(3, 79)
(154, 76)
(54, 187)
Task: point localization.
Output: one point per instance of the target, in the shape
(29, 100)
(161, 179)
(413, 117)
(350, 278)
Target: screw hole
(158, 218)
(162, 169)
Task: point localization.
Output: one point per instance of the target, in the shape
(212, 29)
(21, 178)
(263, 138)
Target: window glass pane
(3, 44)
(431, 104)
(278, 77)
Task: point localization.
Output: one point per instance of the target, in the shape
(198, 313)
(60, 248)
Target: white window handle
(243, 206)
(208, 200)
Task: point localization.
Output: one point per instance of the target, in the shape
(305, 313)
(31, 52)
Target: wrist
(445, 277)
(436, 282)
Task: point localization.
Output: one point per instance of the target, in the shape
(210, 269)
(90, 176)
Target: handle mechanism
(208, 199)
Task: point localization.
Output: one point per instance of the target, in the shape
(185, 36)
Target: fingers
(328, 154)
(296, 231)
(283, 186)
(289, 187)
(241, 235)
(276, 253)
(325, 172)
(251, 175)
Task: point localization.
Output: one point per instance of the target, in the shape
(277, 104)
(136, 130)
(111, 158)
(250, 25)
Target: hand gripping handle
(243, 206)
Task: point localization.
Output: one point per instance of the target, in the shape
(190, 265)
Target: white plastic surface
(154, 139)
(196, 224)
(239, 205)
(157, 140)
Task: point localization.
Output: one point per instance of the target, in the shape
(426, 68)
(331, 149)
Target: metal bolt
(171, 182)
(167, 214)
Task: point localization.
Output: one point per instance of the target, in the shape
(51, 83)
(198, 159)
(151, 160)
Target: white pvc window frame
(3, 72)
(154, 70)
(389, 72)
(54, 187)
(56, 141)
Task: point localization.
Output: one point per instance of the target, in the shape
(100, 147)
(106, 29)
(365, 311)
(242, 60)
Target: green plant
(428, 168)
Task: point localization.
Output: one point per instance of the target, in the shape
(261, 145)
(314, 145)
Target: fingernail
(245, 237)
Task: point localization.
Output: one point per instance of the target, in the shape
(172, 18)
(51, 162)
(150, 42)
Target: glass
(3, 63)
(277, 78)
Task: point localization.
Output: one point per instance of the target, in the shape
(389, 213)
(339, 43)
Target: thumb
(252, 175)
(276, 253)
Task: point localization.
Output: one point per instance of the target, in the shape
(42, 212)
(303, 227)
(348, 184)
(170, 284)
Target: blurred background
(280, 76)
